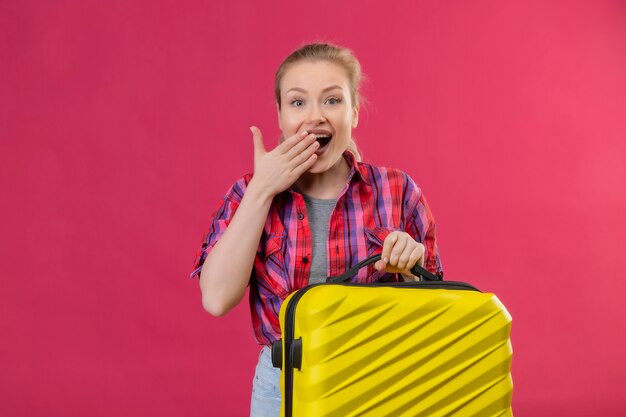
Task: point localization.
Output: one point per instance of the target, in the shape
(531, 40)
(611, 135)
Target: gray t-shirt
(319, 211)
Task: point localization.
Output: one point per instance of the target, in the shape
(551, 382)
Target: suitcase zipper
(290, 315)
(431, 285)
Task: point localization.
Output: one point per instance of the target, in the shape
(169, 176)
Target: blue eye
(336, 100)
(294, 102)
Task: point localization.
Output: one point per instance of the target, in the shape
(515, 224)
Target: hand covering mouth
(322, 136)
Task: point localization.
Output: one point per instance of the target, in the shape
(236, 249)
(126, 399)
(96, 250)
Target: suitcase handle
(416, 270)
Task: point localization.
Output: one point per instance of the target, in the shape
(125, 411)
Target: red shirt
(374, 202)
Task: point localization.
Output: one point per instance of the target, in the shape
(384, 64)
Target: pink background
(122, 124)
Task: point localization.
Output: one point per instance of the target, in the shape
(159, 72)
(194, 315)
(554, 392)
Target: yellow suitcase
(429, 348)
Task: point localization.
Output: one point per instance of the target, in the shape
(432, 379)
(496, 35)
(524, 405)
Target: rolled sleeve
(420, 224)
(221, 218)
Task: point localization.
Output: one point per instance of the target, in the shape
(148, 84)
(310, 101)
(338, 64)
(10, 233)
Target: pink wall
(123, 124)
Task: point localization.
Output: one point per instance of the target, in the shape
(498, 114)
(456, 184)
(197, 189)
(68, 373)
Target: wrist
(259, 192)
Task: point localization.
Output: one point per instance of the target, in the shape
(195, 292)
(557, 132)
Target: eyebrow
(332, 87)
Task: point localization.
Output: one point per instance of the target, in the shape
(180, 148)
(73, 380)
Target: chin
(317, 168)
(324, 163)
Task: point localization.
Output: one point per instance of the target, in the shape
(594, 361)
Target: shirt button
(300, 216)
(305, 260)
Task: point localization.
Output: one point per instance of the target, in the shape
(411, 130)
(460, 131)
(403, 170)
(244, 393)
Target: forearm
(227, 268)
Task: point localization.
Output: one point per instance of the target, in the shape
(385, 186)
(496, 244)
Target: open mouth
(323, 140)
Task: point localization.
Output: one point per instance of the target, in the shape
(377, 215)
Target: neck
(327, 184)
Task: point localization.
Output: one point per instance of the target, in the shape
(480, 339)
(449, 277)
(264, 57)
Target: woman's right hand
(278, 169)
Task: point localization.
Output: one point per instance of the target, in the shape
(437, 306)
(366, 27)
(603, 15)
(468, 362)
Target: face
(315, 96)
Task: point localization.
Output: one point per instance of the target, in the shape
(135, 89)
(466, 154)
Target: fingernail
(305, 133)
(386, 260)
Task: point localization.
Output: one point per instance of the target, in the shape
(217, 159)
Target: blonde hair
(339, 55)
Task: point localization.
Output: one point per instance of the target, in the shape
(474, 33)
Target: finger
(408, 277)
(291, 141)
(257, 137)
(405, 257)
(303, 158)
(398, 248)
(390, 240)
(304, 166)
(417, 255)
(380, 265)
(307, 144)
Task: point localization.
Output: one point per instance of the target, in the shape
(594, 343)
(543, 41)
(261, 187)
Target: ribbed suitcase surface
(408, 349)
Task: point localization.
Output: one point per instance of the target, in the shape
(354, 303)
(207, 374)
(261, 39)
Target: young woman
(311, 209)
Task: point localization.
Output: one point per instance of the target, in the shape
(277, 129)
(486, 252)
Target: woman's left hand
(400, 254)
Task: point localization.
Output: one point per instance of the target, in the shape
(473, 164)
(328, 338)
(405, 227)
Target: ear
(355, 116)
(278, 114)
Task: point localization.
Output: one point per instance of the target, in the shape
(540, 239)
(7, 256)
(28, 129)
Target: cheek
(289, 120)
(343, 121)
(346, 128)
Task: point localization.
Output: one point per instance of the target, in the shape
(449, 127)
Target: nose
(316, 115)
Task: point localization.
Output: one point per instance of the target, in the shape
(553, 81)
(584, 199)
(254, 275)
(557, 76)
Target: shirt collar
(357, 169)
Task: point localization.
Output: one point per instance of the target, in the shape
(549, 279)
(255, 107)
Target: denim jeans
(266, 395)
